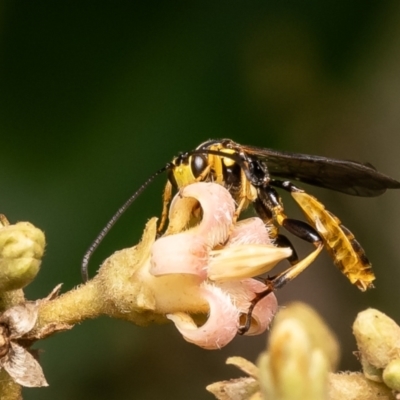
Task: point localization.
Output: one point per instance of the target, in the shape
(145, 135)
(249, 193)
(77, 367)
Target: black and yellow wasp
(252, 175)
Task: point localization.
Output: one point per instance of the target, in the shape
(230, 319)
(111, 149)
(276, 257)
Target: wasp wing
(344, 176)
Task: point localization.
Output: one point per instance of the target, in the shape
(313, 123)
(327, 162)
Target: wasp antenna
(113, 220)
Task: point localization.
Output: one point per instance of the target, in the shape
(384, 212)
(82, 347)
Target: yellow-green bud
(319, 334)
(21, 249)
(298, 360)
(391, 375)
(378, 338)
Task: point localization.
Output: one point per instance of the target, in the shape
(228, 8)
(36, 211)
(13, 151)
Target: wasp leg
(304, 231)
(268, 205)
(283, 241)
(202, 177)
(279, 240)
(277, 282)
(239, 208)
(167, 195)
(246, 195)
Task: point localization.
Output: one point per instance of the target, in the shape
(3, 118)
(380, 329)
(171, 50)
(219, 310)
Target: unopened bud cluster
(378, 341)
(21, 249)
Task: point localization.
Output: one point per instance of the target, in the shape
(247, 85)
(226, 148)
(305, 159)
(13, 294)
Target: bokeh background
(95, 96)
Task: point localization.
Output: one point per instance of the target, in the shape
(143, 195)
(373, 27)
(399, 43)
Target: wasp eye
(198, 164)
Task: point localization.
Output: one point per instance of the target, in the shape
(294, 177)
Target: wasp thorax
(228, 162)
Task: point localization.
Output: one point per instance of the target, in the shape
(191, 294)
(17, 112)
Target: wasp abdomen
(340, 243)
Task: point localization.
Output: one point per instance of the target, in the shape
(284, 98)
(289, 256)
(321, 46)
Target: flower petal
(263, 312)
(23, 367)
(187, 252)
(221, 326)
(177, 293)
(243, 292)
(249, 231)
(182, 253)
(218, 209)
(244, 261)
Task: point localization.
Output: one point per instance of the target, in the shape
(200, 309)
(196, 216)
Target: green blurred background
(95, 96)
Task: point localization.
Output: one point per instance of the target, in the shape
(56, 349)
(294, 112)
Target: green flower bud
(21, 249)
(300, 355)
(318, 332)
(378, 338)
(391, 375)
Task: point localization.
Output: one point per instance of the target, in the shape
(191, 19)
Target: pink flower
(209, 265)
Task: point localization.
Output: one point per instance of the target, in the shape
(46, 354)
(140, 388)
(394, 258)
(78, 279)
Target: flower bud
(378, 338)
(391, 375)
(21, 249)
(300, 355)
